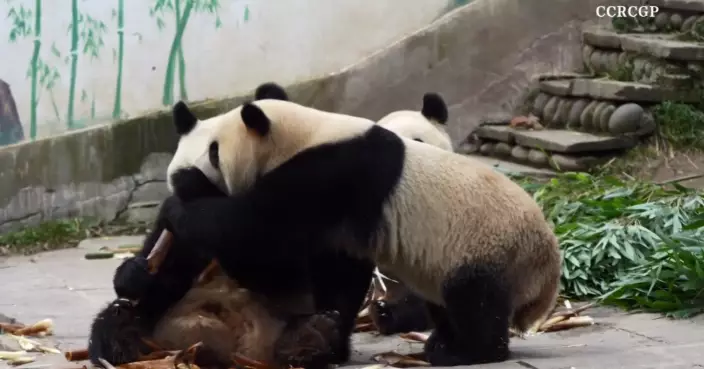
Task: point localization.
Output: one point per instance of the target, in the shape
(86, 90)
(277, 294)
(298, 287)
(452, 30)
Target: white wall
(256, 41)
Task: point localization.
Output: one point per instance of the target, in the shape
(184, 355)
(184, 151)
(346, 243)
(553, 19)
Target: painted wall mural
(70, 64)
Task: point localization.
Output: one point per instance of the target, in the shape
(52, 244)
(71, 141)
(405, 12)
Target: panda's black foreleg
(117, 333)
(473, 326)
(340, 283)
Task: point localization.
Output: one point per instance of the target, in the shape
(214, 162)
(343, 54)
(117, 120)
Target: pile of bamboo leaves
(629, 243)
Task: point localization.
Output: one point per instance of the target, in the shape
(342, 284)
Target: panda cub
(426, 125)
(401, 310)
(174, 313)
(302, 182)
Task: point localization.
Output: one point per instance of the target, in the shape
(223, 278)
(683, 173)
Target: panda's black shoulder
(357, 174)
(376, 152)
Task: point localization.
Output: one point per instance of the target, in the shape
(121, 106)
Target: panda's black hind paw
(132, 278)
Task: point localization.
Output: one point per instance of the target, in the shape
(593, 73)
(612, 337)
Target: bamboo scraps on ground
(155, 258)
(183, 359)
(41, 328)
(558, 321)
(27, 345)
(567, 319)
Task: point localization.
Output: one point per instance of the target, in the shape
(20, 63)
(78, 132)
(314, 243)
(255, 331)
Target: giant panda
(401, 310)
(173, 313)
(426, 125)
(472, 243)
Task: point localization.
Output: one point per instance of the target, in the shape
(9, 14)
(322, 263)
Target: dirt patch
(678, 166)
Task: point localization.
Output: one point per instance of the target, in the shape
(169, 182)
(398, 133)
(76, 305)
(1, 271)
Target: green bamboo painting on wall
(120, 55)
(86, 35)
(182, 11)
(27, 23)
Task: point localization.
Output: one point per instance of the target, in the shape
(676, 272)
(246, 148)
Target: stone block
(603, 89)
(557, 87)
(686, 5)
(498, 133)
(564, 141)
(555, 140)
(601, 37)
(661, 47)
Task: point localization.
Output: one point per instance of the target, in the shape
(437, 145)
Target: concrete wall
(480, 57)
(69, 66)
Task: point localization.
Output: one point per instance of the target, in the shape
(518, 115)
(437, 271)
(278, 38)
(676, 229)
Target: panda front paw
(132, 279)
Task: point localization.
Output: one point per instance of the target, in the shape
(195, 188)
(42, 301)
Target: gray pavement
(65, 287)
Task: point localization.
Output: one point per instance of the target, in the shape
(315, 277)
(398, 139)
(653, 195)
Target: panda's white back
(413, 125)
(445, 209)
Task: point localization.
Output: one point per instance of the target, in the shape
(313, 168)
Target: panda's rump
(449, 210)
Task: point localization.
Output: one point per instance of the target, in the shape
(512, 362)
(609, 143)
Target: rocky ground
(69, 289)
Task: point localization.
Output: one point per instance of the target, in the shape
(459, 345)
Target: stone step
(626, 66)
(555, 140)
(673, 17)
(682, 5)
(664, 46)
(507, 167)
(560, 150)
(612, 90)
(584, 114)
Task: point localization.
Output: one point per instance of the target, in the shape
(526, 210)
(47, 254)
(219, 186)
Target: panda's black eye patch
(214, 155)
(417, 139)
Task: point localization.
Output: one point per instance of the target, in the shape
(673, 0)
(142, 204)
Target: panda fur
(401, 310)
(173, 313)
(426, 125)
(466, 238)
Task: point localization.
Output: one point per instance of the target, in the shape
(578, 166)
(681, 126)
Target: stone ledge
(686, 5)
(89, 173)
(606, 89)
(534, 157)
(555, 140)
(658, 45)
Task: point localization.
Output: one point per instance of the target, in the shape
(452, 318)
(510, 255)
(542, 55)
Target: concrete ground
(65, 287)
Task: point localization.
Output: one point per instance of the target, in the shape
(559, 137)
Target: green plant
(670, 281)
(614, 233)
(680, 125)
(47, 235)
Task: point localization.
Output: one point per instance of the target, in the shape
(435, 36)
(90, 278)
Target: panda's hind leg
(473, 327)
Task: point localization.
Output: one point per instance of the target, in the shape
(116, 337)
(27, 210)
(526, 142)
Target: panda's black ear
(184, 119)
(434, 108)
(270, 90)
(255, 119)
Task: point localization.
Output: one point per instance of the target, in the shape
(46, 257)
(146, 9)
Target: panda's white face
(415, 126)
(426, 125)
(193, 147)
(235, 148)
